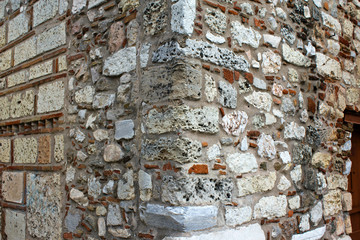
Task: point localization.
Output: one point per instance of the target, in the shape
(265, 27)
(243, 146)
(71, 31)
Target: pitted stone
(228, 95)
(271, 207)
(242, 163)
(243, 35)
(256, 184)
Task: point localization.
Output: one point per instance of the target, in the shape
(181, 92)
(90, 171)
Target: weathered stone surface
(283, 184)
(250, 232)
(15, 225)
(228, 95)
(294, 202)
(287, 106)
(22, 104)
(347, 201)
(210, 88)
(50, 39)
(294, 131)
(94, 187)
(321, 159)
(124, 129)
(25, 150)
(302, 153)
(125, 190)
(183, 219)
(101, 227)
(116, 36)
(120, 62)
(316, 214)
(332, 203)
(315, 234)
(285, 157)
(40, 70)
(3, 35)
(271, 62)
(274, 41)
(328, 66)
(78, 197)
(51, 97)
(13, 186)
(288, 33)
(195, 191)
(103, 100)
(155, 17)
(260, 100)
(242, 163)
(59, 148)
(43, 210)
(145, 185)
(255, 184)
(271, 207)
(304, 223)
(216, 20)
(176, 149)
(5, 147)
(215, 38)
(235, 123)
(101, 135)
(295, 57)
(18, 26)
(23, 51)
(177, 79)
(5, 62)
(331, 22)
(120, 233)
(243, 35)
(296, 174)
(336, 180)
(173, 118)
(266, 146)
(113, 153)
(237, 216)
(183, 16)
(95, 3)
(114, 215)
(44, 152)
(44, 10)
(85, 95)
(72, 219)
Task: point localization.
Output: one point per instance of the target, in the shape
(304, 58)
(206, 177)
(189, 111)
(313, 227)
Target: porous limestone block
(255, 184)
(182, 16)
(22, 104)
(5, 148)
(13, 186)
(271, 207)
(15, 225)
(321, 159)
(40, 70)
(51, 97)
(59, 147)
(18, 78)
(44, 10)
(332, 202)
(25, 150)
(5, 62)
(51, 38)
(18, 26)
(25, 50)
(240, 163)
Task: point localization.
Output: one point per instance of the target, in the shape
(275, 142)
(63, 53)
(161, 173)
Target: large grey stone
(183, 219)
(114, 215)
(195, 191)
(250, 232)
(120, 62)
(43, 205)
(126, 190)
(51, 38)
(302, 153)
(44, 10)
(183, 16)
(248, 36)
(328, 66)
(295, 57)
(228, 95)
(176, 149)
(124, 129)
(72, 219)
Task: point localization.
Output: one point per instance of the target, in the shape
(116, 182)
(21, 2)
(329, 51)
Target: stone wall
(181, 119)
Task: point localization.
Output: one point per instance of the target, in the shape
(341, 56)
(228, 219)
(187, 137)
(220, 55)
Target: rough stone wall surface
(181, 119)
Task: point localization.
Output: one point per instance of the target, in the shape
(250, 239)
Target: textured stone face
(321, 159)
(183, 16)
(25, 150)
(52, 38)
(43, 205)
(18, 26)
(155, 17)
(216, 20)
(328, 66)
(271, 62)
(266, 146)
(245, 35)
(332, 203)
(15, 224)
(242, 163)
(51, 97)
(295, 57)
(13, 186)
(44, 10)
(5, 150)
(228, 95)
(237, 216)
(256, 184)
(235, 122)
(270, 207)
(260, 100)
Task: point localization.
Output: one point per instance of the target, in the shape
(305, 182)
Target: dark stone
(288, 33)
(310, 179)
(313, 137)
(307, 200)
(339, 164)
(315, 13)
(289, 227)
(277, 166)
(263, 166)
(302, 153)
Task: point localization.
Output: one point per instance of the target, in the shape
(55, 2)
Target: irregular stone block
(2, 35)
(145, 186)
(316, 214)
(315, 234)
(120, 62)
(44, 10)
(103, 100)
(195, 190)
(237, 216)
(294, 131)
(51, 38)
(255, 184)
(283, 184)
(294, 202)
(215, 38)
(235, 122)
(78, 197)
(266, 146)
(216, 20)
(174, 118)
(295, 57)
(113, 153)
(271, 62)
(22, 104)
(183, 219)
(13, 186)
(241, 35)
(126, 190)
(72, 219)
(250, 232)
(336, 180)
(18, 26)
(43, 205)
(274, 41)
(114, 215)
(228, 95)
(176, 80)
(242, 163)
(78, 6)
(271, 207)
(51, 97)
(183, 16)
(210, 88)
(14, 225)
(302, 153)
(328, 66)
(5, 60)
(260, 100)
(5, 147)
(331, 22)
(332, 202)
(347, 201)
(85, 95)
(124, 129)
(25, 150)
(155, 17)
(321, 159)
(24, 51)
(94, 187)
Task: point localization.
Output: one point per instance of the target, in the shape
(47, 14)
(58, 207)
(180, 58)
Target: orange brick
(44, 149)
(204, 144)
(249, 77)
(199, 169)
(228, 75)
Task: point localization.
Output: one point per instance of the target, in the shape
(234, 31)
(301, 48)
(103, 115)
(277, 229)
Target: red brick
(215, 5)
(233, 12)
(249, 77)
(311, 105)
(167, 167)
(204, 144)
(68, 236)
(219, 166)
(145, 235)
(322, 96)
(199, 169)
(228, 75)
(44, 155)
(236, 75)
(206, 66)
(222, 8)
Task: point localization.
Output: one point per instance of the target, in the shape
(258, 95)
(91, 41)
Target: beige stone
(347, 201)
(255, 184)
(13, 186)
(336, 180)
(18, 26)
(348, 226)
(52, 38)
(59, 148)
(41, 69)
(25, 50)
(22, 104)
(51, 97)
(332, 203)
(340, 225)
(5, 150)
(5, 60)
(14, 225)
(62, 63)
(5, 108)
(17, 78)
(25, 150)
(321, 159)
(2, 35)
(352, 95)
(44, 155)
